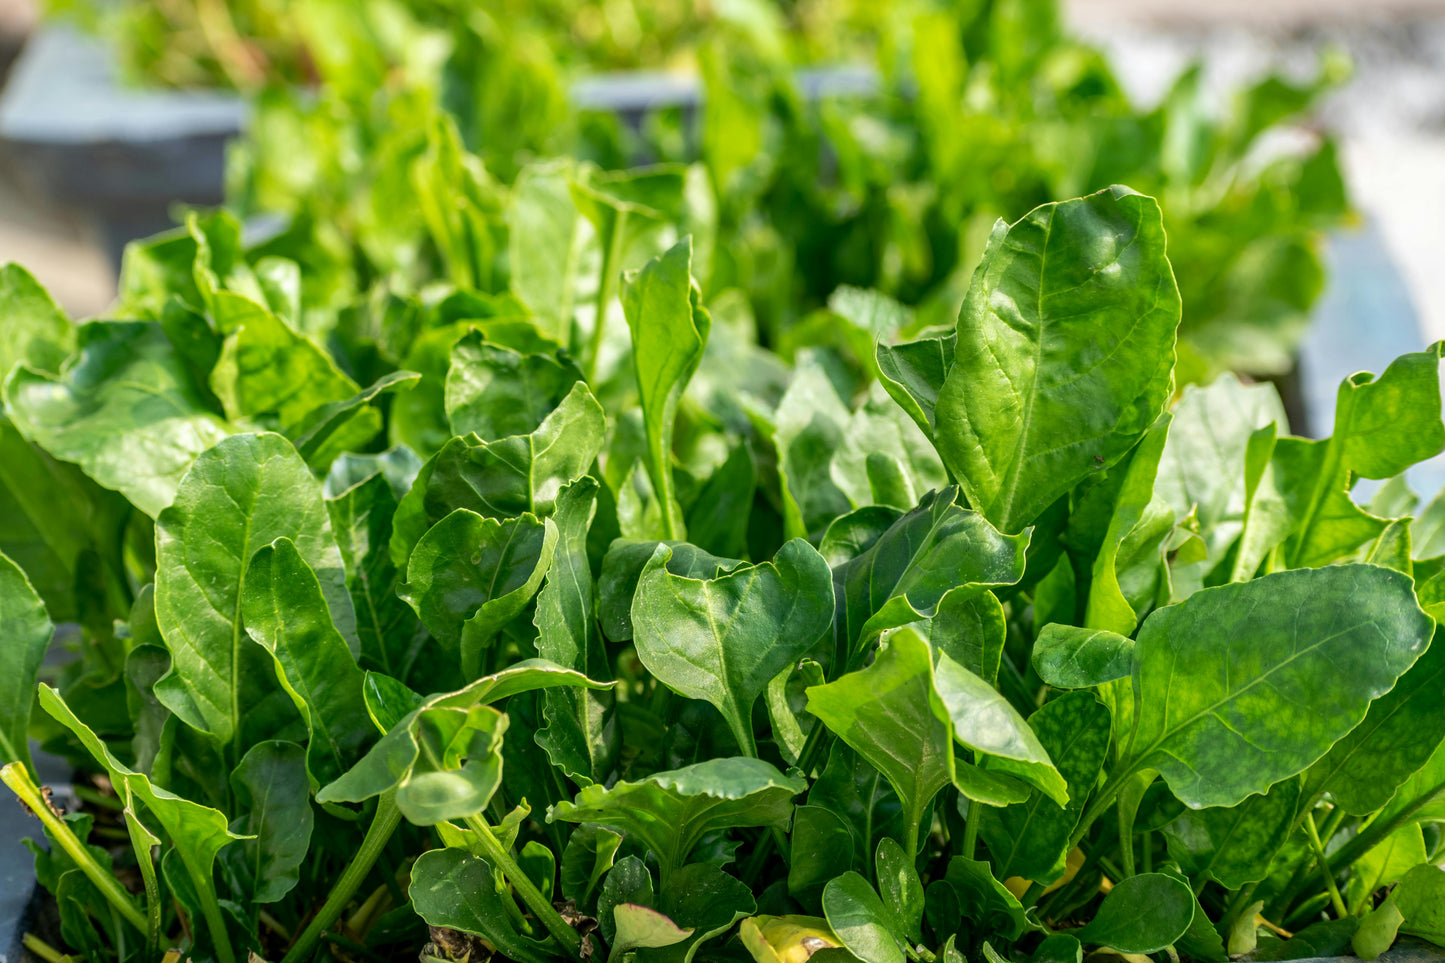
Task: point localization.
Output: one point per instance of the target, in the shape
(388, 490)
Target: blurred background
(114, 111)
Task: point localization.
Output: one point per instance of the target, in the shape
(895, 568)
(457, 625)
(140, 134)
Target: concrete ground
(1391, 119)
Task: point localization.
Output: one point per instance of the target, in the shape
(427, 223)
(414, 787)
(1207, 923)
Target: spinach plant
(1012, 651)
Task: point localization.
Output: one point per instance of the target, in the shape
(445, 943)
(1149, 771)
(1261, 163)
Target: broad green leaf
(270, 376)
(1142, 914)
(1070, 657)
(641, 926)
(1420, 897)
(1064, 355)
(36, 331)
(889, 714)
(901, 889)
(274, 799)
(241, 495)
(1202, 469)
(1234, 845)
(123, 408)
(628, 882)
(469, 576)
(724, 639)
(1246, 684)
(883, 458)
(926, 554)
(459, 891)
(861, 921)
(669, 331)
(980, 900)
(720, 512)
(984, 721)
(581, 736)
(361, 516)
(623, 565)
(913, 374)
(1202, 941)
(1382, 426)
(505, 478)
(1384, 864)
(1401, 731)
(670, 812)
(286, 614)
(1377, 930)
(496, 392)
(970, 629)
(1031, 839)
(196, 832)
(586, 859)
(398, 758)
(25, 629)
(704, 899)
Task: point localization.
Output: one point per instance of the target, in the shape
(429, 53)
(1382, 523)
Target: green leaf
(546, 244)
(808, 430)
(460, 891)
(1031, 839)
(336, 425)
(821, 849)
(196, 832)
(505, 478)
(1384, 864)
(1401, 731)
(670, 812)
(1235, 845)
(724, 639)
(36, 332)
(122, 408)
(1420, 897)
(623, 565)
(669, 331)
(641, 926)
(923, 556)
(901, 889)
(1142, 914)
(855, 791)
(397, 759)
(585, 861)
(581, 736)
(1070, 657)
(705, 899)
(889, 714)
(361, 516)
(1244, 685)
(983, 901)
(26, 630)
(1064, 355)
(496, 392)
(860, 920)
(1382, 426)
(469, 576)
(286, 614)
(628, 882)
(914, 373)
(1377, 930)
(241, 495)
(272, 794)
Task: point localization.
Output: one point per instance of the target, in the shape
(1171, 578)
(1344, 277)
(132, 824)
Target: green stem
(522, 883)
(383, 824)
(211, 910)
(141, 841)
(1324, 864)
(1126, 840)
(970, 830)
(41, 948)
(1101, 804)
(604, 297)
(18, 779)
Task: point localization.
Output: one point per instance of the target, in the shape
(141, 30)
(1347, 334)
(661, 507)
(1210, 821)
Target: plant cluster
(460, 618)
(953, 115)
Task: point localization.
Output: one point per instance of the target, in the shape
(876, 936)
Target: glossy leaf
(724, 639)
(496, 392)
(1142, 914)
(913, 375)
(459, 891)
(1235, 845)
(1070, 657)
(670, 812)
(123, 408)
(286, 614)
(241, 495)
(1253, 710)
(861, 921)
(271, 791)
(26, 630)
(1064, 353)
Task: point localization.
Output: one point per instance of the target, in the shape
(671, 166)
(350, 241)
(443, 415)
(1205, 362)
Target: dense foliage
(941, 117)
(409, 625)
